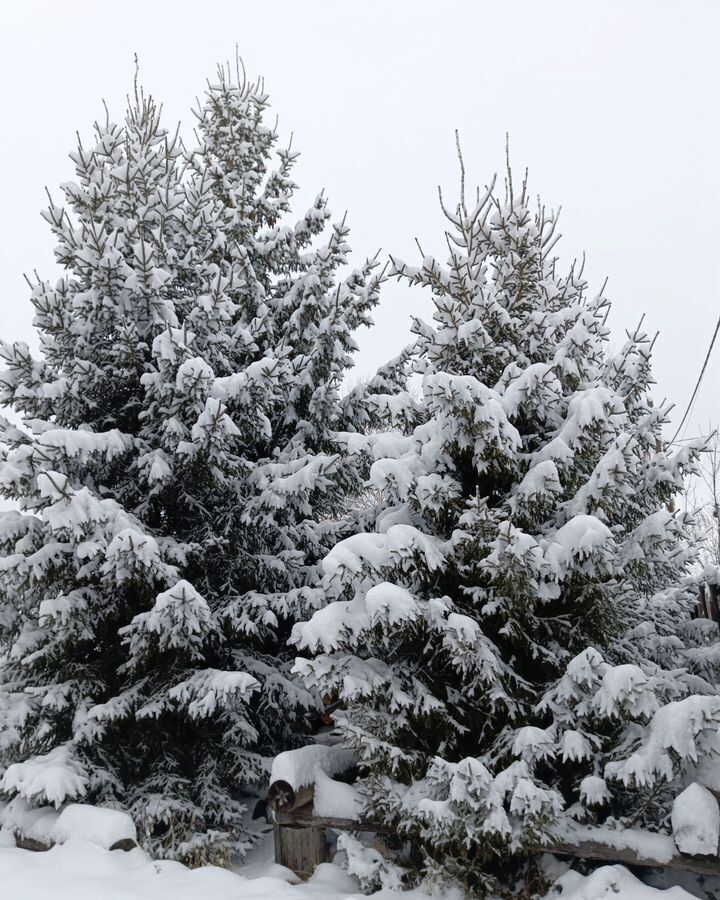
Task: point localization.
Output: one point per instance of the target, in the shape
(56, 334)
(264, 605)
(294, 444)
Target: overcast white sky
(611, 103)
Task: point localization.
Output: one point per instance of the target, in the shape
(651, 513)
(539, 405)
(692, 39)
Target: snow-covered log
(294, 773)
(40, 828)
(629, 846)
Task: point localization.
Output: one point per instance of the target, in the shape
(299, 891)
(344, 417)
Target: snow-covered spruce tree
(508, 641)
(173, 470)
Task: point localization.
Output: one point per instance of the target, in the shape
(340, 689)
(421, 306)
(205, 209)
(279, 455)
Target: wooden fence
(301, 841)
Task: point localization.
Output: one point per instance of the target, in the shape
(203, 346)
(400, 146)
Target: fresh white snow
(303, 766)
(94, 824)
(54, 776)
(77, 821)
(80, 870)
(611, 883)
(334, 799)
(38, 823)
(696, 821)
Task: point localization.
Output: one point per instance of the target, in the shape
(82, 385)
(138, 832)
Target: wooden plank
(296, 809)
(304, 818)
(700, 865)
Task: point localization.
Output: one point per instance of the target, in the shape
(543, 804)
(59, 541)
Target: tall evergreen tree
(174, 470)
(510, 641)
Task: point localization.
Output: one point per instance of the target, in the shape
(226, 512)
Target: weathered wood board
(300, 848)
(301, 842)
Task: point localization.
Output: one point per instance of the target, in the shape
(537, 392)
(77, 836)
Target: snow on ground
(611, 883)
(78, 870)
(81, 870)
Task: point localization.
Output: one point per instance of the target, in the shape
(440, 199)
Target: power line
(697, 385)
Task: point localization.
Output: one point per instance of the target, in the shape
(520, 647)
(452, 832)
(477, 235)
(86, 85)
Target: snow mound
(95, 825)
(301, 767)
(611, 883)
(335, 800)
(696, 821)
(78, 821)
(37, 824)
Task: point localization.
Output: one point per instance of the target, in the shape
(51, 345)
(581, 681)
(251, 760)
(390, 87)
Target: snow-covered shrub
(508, 640)
(372, 868)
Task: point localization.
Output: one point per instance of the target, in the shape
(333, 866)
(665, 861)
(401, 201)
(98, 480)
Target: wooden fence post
(300, 848)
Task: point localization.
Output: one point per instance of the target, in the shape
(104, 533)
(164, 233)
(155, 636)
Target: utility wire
(699, 381)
